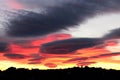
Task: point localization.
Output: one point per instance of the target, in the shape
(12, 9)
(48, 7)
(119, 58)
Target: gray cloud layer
(67, 14)
(69, 45)
(114, 34)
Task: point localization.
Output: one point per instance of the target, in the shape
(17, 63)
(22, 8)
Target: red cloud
(51, 65)
(29, 53)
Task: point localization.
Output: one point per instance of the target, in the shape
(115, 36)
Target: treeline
(75, 73)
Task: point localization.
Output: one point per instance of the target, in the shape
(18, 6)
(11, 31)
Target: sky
(54, 34)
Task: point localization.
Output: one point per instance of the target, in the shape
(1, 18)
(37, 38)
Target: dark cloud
(21, 42)
(68, 13)
(94, 57)
(69, 45)
(109, 54)
(14, 56)
(4, 46)
(34, 62)
(114, 34)
(76, 59)
(105, 55)
(103, 4)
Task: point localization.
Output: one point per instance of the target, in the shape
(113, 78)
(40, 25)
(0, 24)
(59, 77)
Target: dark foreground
(61, 74)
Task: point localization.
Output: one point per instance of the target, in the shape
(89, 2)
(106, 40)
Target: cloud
(15, 4)
(114, 34)
(14, 56)
(69, 45)
(23, 43)
(34, 62)
(96, 3)
(67, 14)
(86, 60)
(35, 57)
(50, 65)
(4, 46)
(76, 59)
(61, 15)
(107, 55)
(38, 3)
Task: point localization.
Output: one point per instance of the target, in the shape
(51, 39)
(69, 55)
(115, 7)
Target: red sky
(28, 54)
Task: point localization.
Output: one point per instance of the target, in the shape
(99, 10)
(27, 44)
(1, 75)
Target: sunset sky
(54, 34)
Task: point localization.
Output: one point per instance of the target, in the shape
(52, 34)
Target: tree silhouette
(76, 73)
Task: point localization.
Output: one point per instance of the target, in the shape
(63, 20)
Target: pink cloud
(14, 4)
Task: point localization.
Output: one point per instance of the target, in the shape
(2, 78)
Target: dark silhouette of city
(76, 73)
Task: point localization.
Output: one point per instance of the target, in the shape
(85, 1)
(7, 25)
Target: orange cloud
(29, 53)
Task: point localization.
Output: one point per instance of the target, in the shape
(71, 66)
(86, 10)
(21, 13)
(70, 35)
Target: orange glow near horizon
(28, 55)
